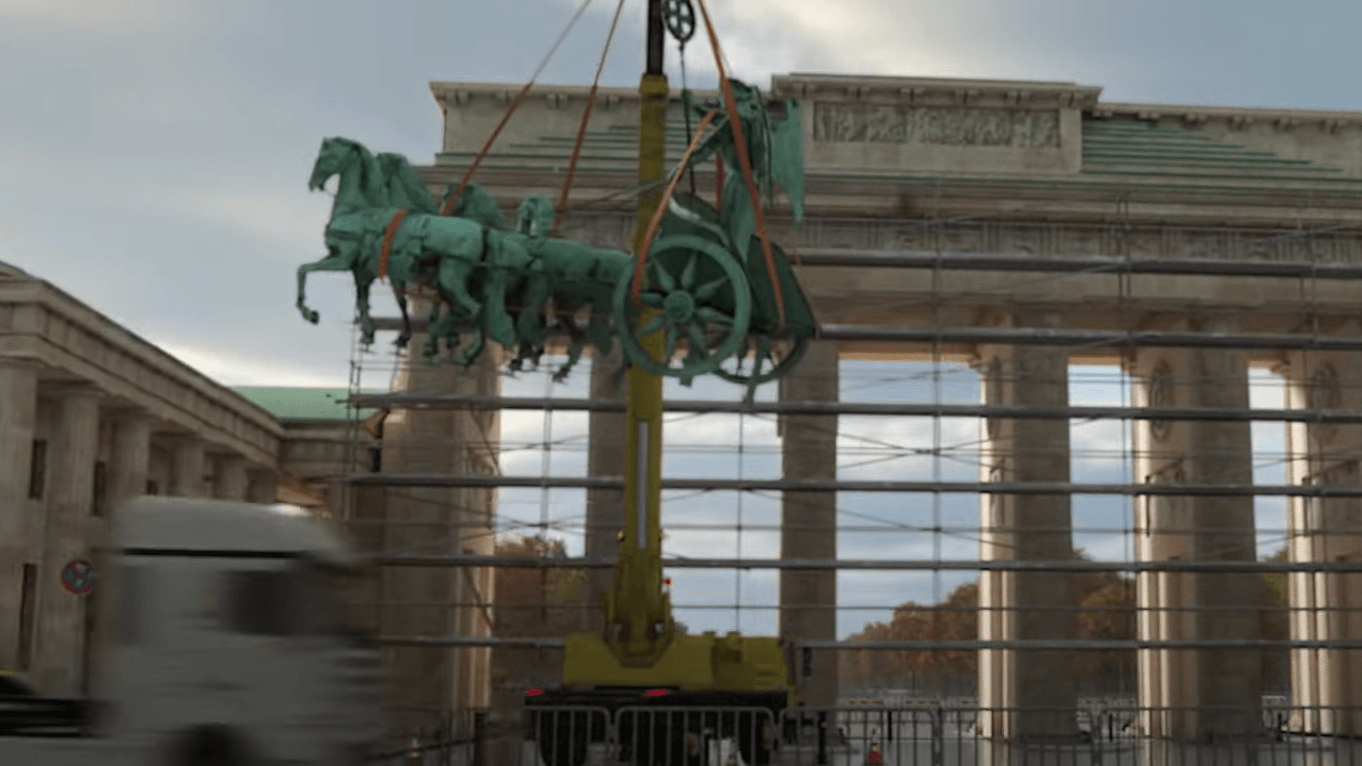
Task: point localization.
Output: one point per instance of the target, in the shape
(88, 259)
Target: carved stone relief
(1024, 238)
(945, 126)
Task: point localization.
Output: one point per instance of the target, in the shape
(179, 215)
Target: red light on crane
(533, 692)
(657, 692)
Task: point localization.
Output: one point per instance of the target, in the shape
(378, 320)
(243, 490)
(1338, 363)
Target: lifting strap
(519, 99)
(385, 249)
(636, 287)
(745, 164)
(581, 129)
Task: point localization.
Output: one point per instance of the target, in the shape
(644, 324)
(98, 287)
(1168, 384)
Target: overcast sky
(154, 153)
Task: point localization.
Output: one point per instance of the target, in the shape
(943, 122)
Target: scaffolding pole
(944, 565)
(1037, 336)
(549, 404)
(820, 485)
(826, 257)
(1077, 645)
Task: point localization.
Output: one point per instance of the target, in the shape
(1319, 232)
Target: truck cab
(228, 641)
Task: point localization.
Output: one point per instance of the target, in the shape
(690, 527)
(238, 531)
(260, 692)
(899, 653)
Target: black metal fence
(918, 733)
(458, 740)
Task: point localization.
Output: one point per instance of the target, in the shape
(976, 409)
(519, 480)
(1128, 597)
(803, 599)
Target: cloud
(95, 17)
(233, 370)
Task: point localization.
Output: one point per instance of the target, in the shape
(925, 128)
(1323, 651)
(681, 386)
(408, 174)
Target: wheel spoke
(656, 323)
(664, 280)
(673, 335)
(714, 315)
(688, 273)
(707, 290)
(698, 341)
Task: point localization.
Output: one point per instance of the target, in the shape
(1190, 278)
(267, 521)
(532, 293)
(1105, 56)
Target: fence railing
(916, 733)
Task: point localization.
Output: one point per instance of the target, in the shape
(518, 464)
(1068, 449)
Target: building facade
(90, 415)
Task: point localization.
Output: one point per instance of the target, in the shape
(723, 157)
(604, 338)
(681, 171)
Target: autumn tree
(1107, 612)
(534, 602)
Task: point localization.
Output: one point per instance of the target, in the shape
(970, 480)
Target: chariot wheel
(772, 358)
(694, 291)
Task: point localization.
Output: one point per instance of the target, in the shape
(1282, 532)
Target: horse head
(535, 217)
(405, 188)
(477, 204)
(334, 157)
(361, 184)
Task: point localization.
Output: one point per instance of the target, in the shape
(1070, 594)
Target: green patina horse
(707, 276)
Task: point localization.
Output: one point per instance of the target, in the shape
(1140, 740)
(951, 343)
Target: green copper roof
(1161, 151)
(302, 403)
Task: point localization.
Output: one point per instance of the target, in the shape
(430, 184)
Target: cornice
(936, 91)
(1013, 197)
(1236, 117)
(49, 297)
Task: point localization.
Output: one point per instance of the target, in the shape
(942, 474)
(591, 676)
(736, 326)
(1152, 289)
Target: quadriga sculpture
(713, 299)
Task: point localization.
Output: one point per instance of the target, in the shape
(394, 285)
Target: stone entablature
(41, 323)
(918, 147)
(939, 125)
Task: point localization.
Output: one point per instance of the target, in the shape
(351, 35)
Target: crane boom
(637, 611)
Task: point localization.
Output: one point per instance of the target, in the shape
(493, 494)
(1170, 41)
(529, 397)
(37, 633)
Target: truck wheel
(210, 746)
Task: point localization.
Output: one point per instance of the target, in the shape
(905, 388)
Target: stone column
(186, 468)
(261, 487)
(808, 598)
(1195, 694)
(479, 432)
(605, 457)
(230, 481)
(59, 658)
(1325, 530)
(426, 683)
(1026, 694)
(131, 456)
(18, 408)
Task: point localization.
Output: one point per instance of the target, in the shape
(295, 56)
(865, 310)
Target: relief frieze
(945, 126)
(1023, 239)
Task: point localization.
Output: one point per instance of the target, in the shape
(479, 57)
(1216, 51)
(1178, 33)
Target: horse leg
(334, 262)
(496, 319)
(452, 282)
(529, 324)
(474, 350)
(400, 292)
(438, 328)
(366, 322)
(574, 354)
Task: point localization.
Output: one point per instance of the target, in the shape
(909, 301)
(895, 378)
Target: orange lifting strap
(636, 287)
(581, 129)
(388, 233)
(510, 110)
(746, 165)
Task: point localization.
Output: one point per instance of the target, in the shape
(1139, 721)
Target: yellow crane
(668, 690)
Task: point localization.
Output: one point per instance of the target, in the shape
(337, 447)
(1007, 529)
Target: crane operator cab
(235, 634)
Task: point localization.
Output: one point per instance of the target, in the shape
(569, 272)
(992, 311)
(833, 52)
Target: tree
(534, 602)
(1107, 613)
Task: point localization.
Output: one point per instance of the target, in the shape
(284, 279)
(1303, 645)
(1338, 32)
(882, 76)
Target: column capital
(128, 414)
(70, 391)
(20, 362)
